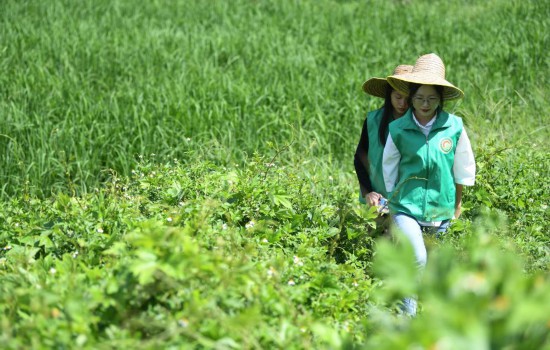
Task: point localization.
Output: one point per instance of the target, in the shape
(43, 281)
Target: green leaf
(280, 199)
(144, 267)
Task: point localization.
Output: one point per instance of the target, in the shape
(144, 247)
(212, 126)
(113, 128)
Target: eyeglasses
(430, 100)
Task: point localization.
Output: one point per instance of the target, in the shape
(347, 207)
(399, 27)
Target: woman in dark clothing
(368, 156)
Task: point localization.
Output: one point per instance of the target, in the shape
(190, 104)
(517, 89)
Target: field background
(89, 86)
(244, 116)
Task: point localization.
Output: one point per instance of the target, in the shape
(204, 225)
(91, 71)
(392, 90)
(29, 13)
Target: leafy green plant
(161, 258)
(475, 297)
(254, 256)
(509, 179)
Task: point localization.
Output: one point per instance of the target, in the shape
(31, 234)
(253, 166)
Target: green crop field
(179, 174)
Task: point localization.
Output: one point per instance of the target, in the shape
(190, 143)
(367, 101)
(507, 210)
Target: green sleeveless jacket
(376, 150)
(426, 187)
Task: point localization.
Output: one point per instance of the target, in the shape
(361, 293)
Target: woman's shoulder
(374, 117)
(377, 113)
(405, 120)
(453, 118)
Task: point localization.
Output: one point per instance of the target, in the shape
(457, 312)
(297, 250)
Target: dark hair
(413, 88)
(387, 116)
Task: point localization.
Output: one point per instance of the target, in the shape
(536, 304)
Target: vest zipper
(427, 174)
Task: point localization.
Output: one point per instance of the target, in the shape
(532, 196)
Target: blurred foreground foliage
(474, 295)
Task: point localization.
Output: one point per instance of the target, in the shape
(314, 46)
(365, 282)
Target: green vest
(425, 187)
(376, 150)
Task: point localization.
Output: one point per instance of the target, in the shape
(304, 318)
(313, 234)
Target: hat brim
(376, 87)
(401, 84)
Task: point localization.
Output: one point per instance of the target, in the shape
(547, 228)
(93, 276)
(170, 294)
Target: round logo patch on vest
(446, 145)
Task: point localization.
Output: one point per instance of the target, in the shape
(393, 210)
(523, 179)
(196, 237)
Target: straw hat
(428, 70)
(377, 86)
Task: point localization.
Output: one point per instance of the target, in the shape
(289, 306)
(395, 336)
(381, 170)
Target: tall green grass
(86, 87)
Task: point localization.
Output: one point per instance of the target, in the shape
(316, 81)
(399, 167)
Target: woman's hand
(458, 200)
(372, 198)
(458, 211)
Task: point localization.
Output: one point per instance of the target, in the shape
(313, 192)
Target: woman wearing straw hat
(427, 158)
(368, 156)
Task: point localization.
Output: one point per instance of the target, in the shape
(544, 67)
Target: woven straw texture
(428, 70)
(377, 86)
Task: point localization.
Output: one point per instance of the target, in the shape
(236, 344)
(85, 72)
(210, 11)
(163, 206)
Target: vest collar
(442, 121)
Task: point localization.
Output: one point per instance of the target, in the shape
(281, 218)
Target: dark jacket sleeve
(361, 166)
